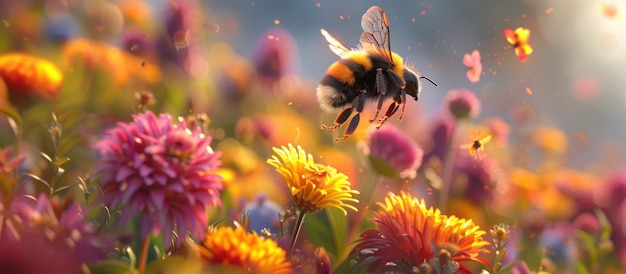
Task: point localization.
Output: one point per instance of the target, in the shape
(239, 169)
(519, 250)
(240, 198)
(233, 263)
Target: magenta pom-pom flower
(393, 147)
(161, 170)
(462, 103)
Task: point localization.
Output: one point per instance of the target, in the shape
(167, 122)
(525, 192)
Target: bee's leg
(381, 88)
(401, 99)
(359, 104)
(341, 119)
(403, 103)
(393, 107)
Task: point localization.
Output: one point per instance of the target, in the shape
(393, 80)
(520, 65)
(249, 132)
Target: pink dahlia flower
(161, 170)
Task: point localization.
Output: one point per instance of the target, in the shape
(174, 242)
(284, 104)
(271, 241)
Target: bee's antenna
(429, 80)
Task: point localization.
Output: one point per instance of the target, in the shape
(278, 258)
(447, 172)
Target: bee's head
(412, 86)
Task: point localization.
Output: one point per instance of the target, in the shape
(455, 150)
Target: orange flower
(550, 139)
(519, 40)
(27, 75)
(409, 234)
(236, 247)
(120, 65)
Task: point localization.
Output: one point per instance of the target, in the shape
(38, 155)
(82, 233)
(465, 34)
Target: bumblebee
(371, 72)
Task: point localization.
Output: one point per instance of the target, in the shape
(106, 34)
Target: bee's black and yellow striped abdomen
(343, 80)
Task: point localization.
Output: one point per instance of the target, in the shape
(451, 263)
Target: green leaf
(15, 120)
(131, 256)
(348, 266)
(175, 264)
(318, 231)
(47, 157)
(69, 119)
(57, 190)
(589, 242)
(69, 142)
(111, 267)
(506, 268)
(38, 179)
(581, 268)
(381, 167)
(338, 226)
(61, 161)
(605, 225)
(328, 229)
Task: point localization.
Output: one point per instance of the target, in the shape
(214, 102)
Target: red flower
(409, 235)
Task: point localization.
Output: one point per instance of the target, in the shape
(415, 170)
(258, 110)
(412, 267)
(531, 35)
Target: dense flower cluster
(245, 250)
(395, 149)
(409, 234)
(313, 186)
(162, 171)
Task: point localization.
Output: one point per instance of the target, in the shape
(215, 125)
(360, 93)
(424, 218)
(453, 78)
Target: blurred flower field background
(185, 136)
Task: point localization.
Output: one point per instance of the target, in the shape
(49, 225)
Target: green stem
(143, 256)
(296, 232)
(354, 228)
(448, 165)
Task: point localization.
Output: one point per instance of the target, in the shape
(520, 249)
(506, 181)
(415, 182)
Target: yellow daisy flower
(236, 247)
(313, 186)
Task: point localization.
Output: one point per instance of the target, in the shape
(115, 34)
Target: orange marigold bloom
(313, 186)
(409, 234)
(120, 65)
(237, 247)
(26, 75)
(519, 40)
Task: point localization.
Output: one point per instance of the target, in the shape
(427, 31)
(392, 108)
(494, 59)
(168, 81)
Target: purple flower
(478, 176)
(441, 132)
(162, 171)
(274, 56)
(57, 237)
(462, 103)
(138, 42)
(182, 23)
(397, 150)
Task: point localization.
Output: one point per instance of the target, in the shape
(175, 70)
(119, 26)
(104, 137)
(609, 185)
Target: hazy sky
(573, 41)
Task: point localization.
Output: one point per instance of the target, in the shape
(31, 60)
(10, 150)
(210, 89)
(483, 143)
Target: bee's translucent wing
(466, 146)
(485, 140)
(334, 44)
(375, 36)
